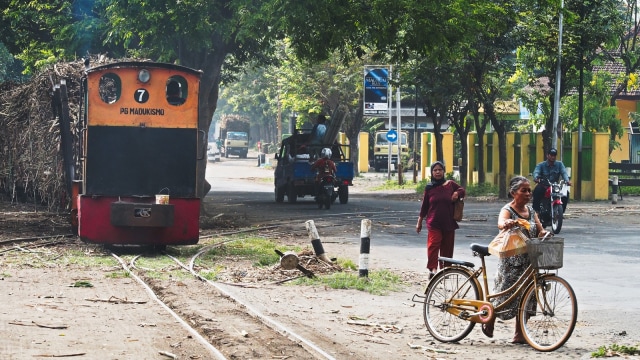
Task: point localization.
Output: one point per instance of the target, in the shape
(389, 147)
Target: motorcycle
(326, 191)
(553, 204)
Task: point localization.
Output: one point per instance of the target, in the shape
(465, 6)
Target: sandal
(487, 329)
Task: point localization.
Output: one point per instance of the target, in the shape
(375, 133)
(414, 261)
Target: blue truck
(293, 176)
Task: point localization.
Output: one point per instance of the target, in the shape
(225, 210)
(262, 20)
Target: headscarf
(435, 182)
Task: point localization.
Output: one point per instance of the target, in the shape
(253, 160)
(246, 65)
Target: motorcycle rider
(550, 169)
(323, 166)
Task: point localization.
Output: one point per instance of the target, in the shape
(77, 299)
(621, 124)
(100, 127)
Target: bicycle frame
(480, 312)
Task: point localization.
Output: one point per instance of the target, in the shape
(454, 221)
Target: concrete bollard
(365, 244)
(614, 189)
(315, 242)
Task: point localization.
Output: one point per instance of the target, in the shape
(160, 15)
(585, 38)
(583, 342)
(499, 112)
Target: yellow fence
(524, 151)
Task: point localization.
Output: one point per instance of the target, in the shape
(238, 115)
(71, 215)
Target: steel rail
(213, 350)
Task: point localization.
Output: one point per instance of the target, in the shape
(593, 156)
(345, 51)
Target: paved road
(602, 241)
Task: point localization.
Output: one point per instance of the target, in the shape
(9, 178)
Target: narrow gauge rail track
(227, 314)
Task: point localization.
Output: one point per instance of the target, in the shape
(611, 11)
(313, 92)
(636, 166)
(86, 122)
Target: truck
(234, 132)
(293, 176)
(381, 150)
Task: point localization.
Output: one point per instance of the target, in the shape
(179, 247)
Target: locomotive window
(177, 90)
(110, 88)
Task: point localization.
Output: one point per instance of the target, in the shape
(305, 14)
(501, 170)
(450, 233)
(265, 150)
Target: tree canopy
(462, 51)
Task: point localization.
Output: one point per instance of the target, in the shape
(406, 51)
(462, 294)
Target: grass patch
(615, 350)
(159, 266)
(259, 251)
(629, 190)
(378, 283)
(212, 273)
(485, 189)
(118, 275)
(82, 258)
(347, 264)
(393, 185)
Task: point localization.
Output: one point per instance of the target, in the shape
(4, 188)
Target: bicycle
(548, 309)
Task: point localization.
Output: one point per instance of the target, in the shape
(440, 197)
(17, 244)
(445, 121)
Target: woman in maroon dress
(437, 207)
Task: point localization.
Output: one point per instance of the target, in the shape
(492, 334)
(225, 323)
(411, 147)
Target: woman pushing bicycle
(527, 287)
(510, 268)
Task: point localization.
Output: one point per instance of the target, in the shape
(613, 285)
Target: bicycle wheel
(440, 323)
(548, 318)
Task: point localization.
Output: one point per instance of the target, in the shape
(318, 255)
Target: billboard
(376, 91)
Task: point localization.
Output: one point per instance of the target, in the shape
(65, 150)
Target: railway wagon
(139, 151)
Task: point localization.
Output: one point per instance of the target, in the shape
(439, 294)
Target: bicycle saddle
(482, 250)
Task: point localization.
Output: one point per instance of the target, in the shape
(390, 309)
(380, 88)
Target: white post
(365, 245)
(315, 241)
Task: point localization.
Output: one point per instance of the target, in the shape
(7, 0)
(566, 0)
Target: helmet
(326, 153)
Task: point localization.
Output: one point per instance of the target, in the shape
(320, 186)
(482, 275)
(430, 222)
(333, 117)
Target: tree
(210, 36)
(43, 32)
(587, 26)
(599, 114)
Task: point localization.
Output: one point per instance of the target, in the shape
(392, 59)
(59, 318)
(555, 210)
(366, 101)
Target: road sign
(392, 135)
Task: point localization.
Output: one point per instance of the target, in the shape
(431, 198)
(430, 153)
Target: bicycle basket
(546, 254)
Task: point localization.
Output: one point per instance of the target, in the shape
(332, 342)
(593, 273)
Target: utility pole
(415, 137)
(556, 97)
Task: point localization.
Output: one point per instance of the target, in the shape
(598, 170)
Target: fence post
(614, 189)
(365, 244)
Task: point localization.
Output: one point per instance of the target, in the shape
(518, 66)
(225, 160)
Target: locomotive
(139, 149)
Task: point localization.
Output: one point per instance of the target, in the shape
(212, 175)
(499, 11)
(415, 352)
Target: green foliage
(615, 351)
(481, 189)
(43, 32)
(379, 282)
(585, 29)
(6, 61)
(598, 114)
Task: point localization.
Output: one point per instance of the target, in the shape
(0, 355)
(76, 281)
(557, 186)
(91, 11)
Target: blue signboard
(376, 88)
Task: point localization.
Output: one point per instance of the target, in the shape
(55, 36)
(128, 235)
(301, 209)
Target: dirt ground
(47, 311)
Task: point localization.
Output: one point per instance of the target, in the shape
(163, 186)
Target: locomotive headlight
(144, 75)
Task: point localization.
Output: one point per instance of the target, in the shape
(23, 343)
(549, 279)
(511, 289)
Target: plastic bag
(508, 242)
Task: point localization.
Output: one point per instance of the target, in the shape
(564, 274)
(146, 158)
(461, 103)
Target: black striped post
(365, 244)
(315, 241)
